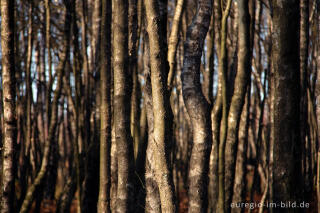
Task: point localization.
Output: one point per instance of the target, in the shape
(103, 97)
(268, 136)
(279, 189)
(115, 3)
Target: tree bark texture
(105, 109)
(198, 107)
(285, 103)
(161, 106)
(122, 93)
(238, 98)
(9, 114)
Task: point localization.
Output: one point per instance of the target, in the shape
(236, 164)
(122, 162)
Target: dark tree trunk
(122, 93)
(54, 119)
(105, 109)
(286, 103)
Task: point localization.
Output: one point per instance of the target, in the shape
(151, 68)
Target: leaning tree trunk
(237, 102)
(105, 109)
(9, 127)
(161, 106)
(54, 119)
(285, 103)
(122, 93)
(198, 107)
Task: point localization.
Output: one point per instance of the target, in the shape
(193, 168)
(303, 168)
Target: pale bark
(174, 41)
(161, 105)
(9, 114)
(152, 200)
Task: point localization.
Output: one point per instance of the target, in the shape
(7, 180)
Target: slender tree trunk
(105, 109)
(28, 78)
(135, 98)
(238, 98)
(304, 43)
(153, 203)
(122, 93)
(53, 121)
(207, 86)
(49, 64)
(173, 41)
(239, 188)
(9, 114)
(286, 101)
(223, 65)
(160, 103)
(216, 114)
(198, 107)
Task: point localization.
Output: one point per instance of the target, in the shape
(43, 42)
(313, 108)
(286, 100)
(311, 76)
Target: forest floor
(49, 206)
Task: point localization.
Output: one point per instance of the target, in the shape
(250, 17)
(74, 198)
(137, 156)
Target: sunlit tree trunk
(152, 200)
(161, 106)
(238, 98)
(173, 41)
(198, 107)
(9, 114)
